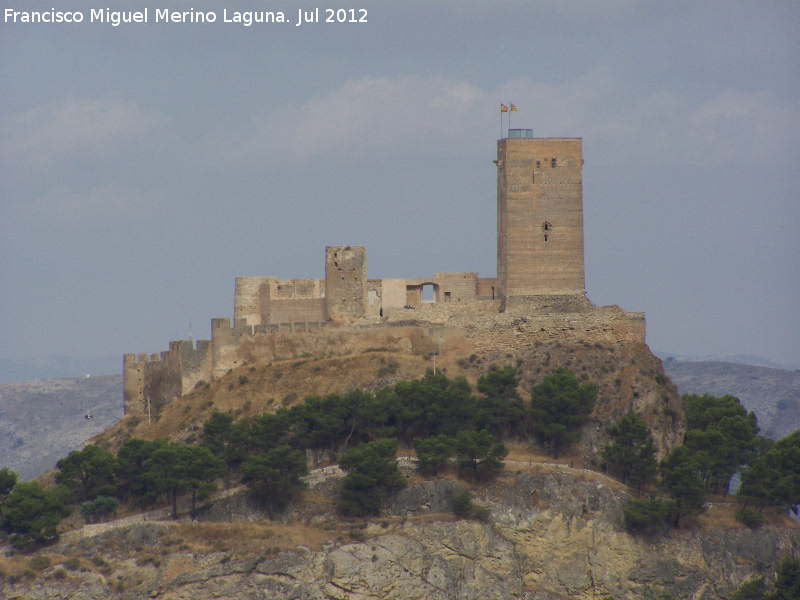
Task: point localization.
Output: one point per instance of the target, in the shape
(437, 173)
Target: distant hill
(54, 366)
(773, 394)
(43, 421)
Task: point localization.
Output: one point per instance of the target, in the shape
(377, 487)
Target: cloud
(746, 126)
(72, 128)
(390, 115)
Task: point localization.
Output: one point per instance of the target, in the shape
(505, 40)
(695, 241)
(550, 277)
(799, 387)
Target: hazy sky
(143, 167)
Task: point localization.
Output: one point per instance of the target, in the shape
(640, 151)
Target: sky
(145, 166)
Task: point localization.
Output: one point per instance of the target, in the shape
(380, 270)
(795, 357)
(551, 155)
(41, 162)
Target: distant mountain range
(54, 366)
(43, 421)
(773, 394)
(742, 359)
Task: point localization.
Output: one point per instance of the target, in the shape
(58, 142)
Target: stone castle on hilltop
(538, 294)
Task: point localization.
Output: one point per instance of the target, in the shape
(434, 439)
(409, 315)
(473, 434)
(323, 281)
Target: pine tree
(371, 474)
(559, 406)
(275, 476)
(679, 479)
(632, 450)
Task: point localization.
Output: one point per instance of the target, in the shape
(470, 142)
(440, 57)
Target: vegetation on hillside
(446, 422)
(785, 587)
(721, 440)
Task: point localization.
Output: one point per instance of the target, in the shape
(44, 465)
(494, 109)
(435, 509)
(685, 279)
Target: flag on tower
(513, 108)
(503, 108)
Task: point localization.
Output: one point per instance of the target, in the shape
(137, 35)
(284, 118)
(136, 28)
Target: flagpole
(509, 115)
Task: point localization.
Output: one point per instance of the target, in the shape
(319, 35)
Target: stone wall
(247, 298)
(272, 300)
(456, 287)
(161, 377)
(455, 329)
(374, 308)
(487, 288)
(393, 294)
(296, 309)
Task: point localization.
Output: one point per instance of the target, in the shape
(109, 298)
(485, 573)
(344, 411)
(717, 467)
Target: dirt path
(164, 515)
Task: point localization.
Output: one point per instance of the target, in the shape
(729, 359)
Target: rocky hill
(628, 377)
(41, 421)
(773, 394)
(553, 533)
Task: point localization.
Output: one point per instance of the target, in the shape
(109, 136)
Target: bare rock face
(550, 536)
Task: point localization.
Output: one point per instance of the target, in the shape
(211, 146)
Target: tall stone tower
(539, 216)
(345, 282)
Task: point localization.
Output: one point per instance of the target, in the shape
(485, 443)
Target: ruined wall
(505, 332)
(539, 216)
(456, 287)
(487, 288)
(161, 377)
(297, 309)
(322, 339)
(374, 298)
(345, 282)
(289, 300)
(247, 298)
(564, 303)
(224, 340)
(455, 329)
(393, 294)
(133, 383)
(284, 289)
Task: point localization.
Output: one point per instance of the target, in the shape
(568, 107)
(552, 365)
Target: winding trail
(408, 463)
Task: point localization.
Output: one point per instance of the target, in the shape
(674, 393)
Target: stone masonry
(537, 296)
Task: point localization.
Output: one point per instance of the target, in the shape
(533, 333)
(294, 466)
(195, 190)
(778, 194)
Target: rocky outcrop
(550, 536)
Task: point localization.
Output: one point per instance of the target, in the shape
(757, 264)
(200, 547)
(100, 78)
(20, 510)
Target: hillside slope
(553, 533)
(628, 377)
(42, 421)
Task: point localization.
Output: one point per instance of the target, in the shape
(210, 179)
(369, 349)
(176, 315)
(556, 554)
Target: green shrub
(31, 513)
(645, 516)
(39, 562)
(371, 474)
(752, 589)
(60, 573)
(461, 505)
(749, 517)
(99, 507)
(99, 561)
(481, 513)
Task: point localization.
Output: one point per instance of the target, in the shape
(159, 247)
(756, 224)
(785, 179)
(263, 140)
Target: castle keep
(538, 294)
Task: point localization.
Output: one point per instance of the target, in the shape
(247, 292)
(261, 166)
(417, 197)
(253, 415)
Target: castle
(537, 296)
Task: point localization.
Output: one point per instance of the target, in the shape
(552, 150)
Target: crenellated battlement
(537, 296)
(159, 377)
